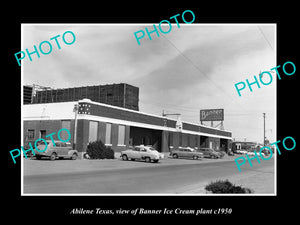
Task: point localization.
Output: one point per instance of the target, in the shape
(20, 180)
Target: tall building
(27, 96)
(121, 95)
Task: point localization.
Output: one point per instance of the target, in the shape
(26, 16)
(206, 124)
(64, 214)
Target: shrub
(220, 186)
(97, 150)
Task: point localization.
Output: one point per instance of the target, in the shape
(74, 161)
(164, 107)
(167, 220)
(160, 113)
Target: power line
(171, 108)
(197, 68)
(265, 37)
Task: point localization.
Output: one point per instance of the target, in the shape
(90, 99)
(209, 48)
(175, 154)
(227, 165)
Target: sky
(190, 68)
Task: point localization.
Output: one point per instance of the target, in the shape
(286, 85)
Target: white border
(146, 24)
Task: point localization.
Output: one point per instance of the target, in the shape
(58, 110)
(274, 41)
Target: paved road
(166, 179)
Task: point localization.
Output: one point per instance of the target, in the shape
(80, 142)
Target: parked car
(60, 150)
(241, 152)
(257, 153)
(221, 153)
(230, 153)
(142, 152)
(210, 153)
(186, 153)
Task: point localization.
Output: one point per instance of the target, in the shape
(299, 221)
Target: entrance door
(145, 136)
(43, 134)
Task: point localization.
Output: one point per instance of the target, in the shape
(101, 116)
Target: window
(93, 131)
(108, 134)
(63, 144)
(68, 144)
(43, 134)
(66, 124)
(30, 134)
(121, 135)
(170, 139)
(180, 139)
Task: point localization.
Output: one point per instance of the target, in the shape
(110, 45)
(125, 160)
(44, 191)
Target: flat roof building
(117, 127)
(122, 95)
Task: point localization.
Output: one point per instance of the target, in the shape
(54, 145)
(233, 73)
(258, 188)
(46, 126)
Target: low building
(117, 127)
(246, 145)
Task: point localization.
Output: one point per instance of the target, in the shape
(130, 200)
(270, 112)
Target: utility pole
(264, 114)
(75, 109)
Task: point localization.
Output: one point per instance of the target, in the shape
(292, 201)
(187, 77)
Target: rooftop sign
(212, 115)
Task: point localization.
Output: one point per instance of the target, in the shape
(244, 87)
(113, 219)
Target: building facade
(117, 127)
(121, 95)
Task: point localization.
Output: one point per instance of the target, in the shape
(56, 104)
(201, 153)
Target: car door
(134, 154)
(205, 152)
(183, 152)
(144, 153)
(59, 149)
(189, 153)
(180, 153)
(64, 149)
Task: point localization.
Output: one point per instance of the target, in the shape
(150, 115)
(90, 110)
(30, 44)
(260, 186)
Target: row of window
(189, 139)
(42, 133)
(94, 134)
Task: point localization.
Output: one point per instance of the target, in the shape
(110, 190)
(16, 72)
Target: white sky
(191, 68)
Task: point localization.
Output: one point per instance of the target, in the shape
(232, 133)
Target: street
(170, 176)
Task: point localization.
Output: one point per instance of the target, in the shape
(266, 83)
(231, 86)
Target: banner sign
(212, 115)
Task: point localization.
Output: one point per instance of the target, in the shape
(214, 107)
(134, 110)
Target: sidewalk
(260, 182)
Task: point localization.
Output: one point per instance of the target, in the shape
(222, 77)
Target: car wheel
(53, 156)
(74, 156)
(175, 156)
(148, 159)
(124, 157)
(195, 157)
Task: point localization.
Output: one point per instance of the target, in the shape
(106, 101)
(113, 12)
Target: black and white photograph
(145, 109)
(140, 111)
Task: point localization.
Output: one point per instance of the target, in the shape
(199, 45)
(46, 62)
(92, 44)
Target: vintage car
(210, 153)
(60, 150)
(243, 152)
(186, 153)
(257, 153)
(141, 152)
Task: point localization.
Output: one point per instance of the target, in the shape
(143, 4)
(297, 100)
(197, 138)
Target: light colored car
(244, 152)
(142, 152)
(210, 153)
(186, 153)
(257, 153)
(60, 150)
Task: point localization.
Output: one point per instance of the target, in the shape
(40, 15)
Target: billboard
(212, 115)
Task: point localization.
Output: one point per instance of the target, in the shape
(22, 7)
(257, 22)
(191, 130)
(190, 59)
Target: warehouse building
(117, 127)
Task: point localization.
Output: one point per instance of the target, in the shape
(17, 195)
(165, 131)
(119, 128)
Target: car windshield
(152, 149)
